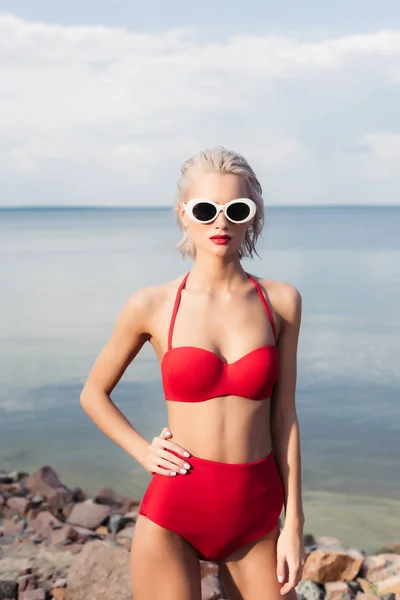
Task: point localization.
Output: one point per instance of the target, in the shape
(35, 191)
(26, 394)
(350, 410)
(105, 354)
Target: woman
(227, 345)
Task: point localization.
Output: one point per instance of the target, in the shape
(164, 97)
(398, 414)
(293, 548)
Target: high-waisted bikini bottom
(217, 507)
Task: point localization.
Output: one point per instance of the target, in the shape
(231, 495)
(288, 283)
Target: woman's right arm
(130, 333)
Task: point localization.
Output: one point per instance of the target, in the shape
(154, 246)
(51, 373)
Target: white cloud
(103, 113)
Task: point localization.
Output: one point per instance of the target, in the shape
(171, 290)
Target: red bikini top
(192, 374)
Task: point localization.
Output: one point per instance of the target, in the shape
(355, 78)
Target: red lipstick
(220, 239)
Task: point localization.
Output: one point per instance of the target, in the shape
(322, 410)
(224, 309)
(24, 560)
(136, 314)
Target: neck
(210, 273)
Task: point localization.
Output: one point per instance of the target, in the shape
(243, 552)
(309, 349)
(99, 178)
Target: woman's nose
(221, 219)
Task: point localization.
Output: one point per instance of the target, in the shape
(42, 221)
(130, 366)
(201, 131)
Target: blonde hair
(220, 160)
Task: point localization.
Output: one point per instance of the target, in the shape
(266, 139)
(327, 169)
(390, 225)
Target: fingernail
(280, 578)
(168, 433)
(186, 454)
(186, 465)
(183, 471)
(172, 473)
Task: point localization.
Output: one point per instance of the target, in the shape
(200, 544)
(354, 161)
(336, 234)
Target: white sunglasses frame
(189, 205)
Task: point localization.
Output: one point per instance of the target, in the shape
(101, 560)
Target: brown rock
(102, 530)
(89, 514)
(392, 584)
(362, 596)
(59, 593)
(378, 567)
(85, 533)
(27, 582)
(323, 566)
(126, 532)
(43, 481)
(12, 527)
(131, 514)
(61, 535)
(44, 523)
(100, 571)
(366, 586)
(337, 590)
(130, 505)
(58, 498)
(38, 594)
(109, 496)
(18, 504)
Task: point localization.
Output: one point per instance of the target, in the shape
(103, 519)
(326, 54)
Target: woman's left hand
(290, 550)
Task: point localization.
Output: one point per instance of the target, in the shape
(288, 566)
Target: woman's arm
(284, 423)
(131, 331)
(129, 335)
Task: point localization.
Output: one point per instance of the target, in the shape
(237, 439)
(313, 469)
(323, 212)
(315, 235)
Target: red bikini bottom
(217, 507)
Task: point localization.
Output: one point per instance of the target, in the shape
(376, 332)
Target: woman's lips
(220, 240)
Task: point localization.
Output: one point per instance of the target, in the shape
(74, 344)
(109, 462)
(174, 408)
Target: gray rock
(309, 590)
(8, 590)
(99, 571)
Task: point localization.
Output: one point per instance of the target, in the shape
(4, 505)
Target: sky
(101, 102)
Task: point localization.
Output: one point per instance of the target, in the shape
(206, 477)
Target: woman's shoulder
(151, 297)
(284, 297)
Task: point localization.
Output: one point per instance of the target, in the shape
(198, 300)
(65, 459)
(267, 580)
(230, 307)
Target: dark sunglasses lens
(238, 211)
(204, 211)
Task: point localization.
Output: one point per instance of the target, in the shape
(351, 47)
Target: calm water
(65, 275)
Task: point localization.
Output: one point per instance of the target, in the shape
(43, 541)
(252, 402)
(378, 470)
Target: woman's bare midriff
(228, 429)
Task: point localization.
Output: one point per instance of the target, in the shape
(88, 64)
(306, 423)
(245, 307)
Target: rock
(378, 567)
(325, 541)
(323, 566)
(27, 582)
(210, 588)
(63, 534)
(127, 533)
(337, 590)
(109, 497)
(8, 590)
(208, 568)
(100, 571)
(116, 523)
(84, 533)
(13, 528)
(89, 514)
(18, 505)
(43, 482)
(309, 590)
(43, 561)
(390, 548)
(38, 594)
(44, 524)
(362, 596)
(366, 586)
(392, 584)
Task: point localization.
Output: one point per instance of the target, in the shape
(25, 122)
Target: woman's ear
(182, 214)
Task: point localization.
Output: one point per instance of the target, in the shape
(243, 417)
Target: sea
(66, 272)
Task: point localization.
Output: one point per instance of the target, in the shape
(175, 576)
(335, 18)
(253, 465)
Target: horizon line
(164, 207)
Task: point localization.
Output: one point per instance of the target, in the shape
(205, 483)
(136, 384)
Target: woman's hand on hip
(160, 460)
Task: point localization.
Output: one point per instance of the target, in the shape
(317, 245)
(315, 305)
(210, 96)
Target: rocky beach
(58, 543)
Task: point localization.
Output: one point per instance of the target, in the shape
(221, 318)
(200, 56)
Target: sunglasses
(203, 210)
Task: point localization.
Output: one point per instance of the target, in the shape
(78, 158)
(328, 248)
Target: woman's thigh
(249, 573)
(162, 564)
